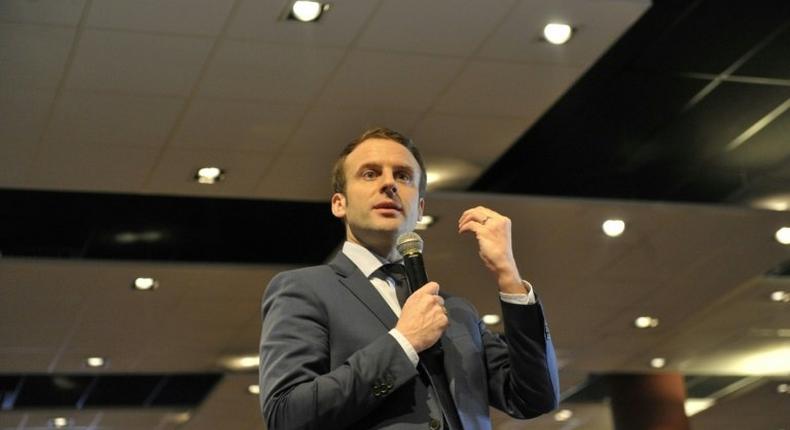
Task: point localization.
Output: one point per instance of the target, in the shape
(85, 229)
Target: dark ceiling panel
(635, 127)
(133, 227)
(772, 61)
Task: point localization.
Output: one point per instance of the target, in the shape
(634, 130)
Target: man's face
(382, 192)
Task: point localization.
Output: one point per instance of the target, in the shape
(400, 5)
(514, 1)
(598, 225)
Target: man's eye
(404, 176)
(369, 174)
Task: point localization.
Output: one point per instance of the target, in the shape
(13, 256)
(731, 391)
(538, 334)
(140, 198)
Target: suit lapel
(353, 279)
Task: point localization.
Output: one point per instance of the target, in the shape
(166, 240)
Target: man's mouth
(389, 205)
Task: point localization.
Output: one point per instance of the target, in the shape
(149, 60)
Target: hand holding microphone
(423, 318)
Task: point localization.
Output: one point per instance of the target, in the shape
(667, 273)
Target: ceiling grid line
(218, 40)
(311, 105)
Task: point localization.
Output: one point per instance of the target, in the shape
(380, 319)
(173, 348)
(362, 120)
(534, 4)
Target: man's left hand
(494, 239)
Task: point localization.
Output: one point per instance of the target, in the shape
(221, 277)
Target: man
(338, 348)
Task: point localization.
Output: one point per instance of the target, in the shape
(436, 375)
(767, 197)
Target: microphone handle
(417, 277)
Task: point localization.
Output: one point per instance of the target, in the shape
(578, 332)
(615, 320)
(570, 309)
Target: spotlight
(783, 235)
(145, 284)
(95, 362)
(557, 33)
(254, 389)
(646, 322)
(658, 362)
(563, 415)
(613, 227)
(209, 175)
(491, 319)
(307, 11)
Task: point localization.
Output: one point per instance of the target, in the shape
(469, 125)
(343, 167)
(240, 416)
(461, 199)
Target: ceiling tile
(298, 177)
(176, 169)
(258, 71)
(378, 80)
(64, 12)
(23, 113)
(90, 167)
(338, 27)
(140, 63)
(597, 25)
(172, 16)
(237, 125)
(33, 56)
(481, 139)
(325, 131)
(501, 89)
(114, 119)
(437, 27)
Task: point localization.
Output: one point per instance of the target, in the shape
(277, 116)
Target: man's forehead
(376, 150)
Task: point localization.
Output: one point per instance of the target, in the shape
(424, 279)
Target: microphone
(409, 246)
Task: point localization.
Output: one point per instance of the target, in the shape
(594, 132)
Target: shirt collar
(367, 261)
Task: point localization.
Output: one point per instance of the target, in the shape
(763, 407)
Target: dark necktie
(431, 366)
(397, 272)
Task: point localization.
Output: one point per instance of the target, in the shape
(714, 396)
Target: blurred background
(160, 161)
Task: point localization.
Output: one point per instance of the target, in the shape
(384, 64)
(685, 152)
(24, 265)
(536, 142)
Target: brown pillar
(648, 402)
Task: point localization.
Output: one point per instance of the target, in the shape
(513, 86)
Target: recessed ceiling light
(646, 322)
(145, 284)
(307, 11)
(240, 363)
(783, 235)
(424, 222)
(432, 177)
(209, 175)
(557, 33)
(563, 415)
(95, 362)
(658, 362)
(783, 388)
(254, 389)
(59, 422)
(613, 227)
(491, 319)
(780, 296)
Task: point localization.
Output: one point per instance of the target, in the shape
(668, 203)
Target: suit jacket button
(434, 424)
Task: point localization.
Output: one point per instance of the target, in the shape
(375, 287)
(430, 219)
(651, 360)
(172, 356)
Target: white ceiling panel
(63, 12)
(597, 25)
(33, 56)
(237, 125)
(259, 71)
(70, 166)
(478, 139)
(139, 63)
(113, 119)
(175, 171)
(504, 89)
(298, 177)
(448, 27)
(325, 131)
(261, 20)
(193, 17)
(377, 80)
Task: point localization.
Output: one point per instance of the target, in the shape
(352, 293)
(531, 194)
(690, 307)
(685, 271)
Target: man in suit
(342, 346)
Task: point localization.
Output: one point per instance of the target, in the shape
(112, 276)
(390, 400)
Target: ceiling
(671, 117)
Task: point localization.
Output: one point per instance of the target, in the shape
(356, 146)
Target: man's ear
(422, 208)
(339, 205)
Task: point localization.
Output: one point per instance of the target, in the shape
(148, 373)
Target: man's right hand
(423, 318)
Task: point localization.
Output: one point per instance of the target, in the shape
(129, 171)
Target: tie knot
(394, 270)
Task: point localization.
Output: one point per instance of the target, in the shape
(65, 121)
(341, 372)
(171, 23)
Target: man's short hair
(339, 172)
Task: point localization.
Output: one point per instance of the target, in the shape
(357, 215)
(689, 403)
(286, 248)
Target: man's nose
(389, 184)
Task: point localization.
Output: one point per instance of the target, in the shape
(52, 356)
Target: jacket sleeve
(299, 390)
(522, 371)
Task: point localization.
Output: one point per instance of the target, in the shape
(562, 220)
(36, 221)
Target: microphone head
(409, 243)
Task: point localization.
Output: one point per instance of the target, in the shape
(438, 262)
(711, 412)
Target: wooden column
(648, 402)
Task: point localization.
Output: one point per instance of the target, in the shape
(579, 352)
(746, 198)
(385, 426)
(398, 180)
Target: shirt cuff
(520, 299)
(406, 346)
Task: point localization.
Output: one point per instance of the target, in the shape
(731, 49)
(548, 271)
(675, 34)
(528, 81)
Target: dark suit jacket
(328, 362)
